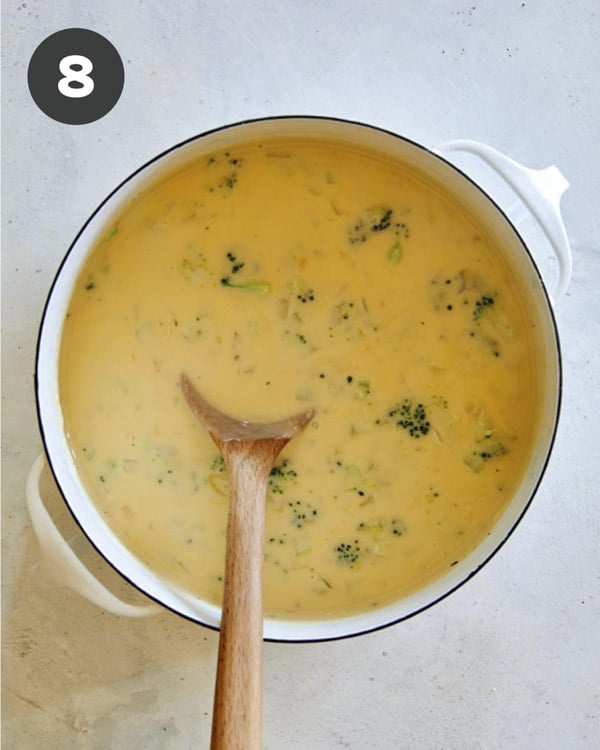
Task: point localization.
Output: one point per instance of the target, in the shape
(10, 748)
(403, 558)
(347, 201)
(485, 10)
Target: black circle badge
(75, 76)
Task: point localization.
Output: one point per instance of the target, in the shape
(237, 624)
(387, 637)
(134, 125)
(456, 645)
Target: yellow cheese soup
(282, 275)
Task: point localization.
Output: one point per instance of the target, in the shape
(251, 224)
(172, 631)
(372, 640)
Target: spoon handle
(237, 712)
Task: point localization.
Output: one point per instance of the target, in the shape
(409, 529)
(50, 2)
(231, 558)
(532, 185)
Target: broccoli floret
(280, 477)
(376, 528)
(373, 221)
(486, 448)
(411, 418)
(228, 180)
(278, 539)
(348, 552)
(306, 295)
(343, 311)
(230, 167)
(218, 464)
(481, 305)
(301, 513)
(236, 266)
(193, 263)
(487, 445)
(491, 316)
(380, 220)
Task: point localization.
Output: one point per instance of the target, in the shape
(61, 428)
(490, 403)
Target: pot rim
(337, 624)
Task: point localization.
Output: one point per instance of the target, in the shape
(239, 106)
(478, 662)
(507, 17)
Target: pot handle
(540, 190)
(59, 562)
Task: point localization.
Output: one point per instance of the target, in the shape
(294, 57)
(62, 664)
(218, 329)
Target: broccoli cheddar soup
(288, 274)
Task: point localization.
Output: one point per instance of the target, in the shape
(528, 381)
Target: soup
(282, 275)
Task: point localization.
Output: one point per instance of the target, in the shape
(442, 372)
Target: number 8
(79, 76)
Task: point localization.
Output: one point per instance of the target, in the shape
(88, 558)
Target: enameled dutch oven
(539, 191)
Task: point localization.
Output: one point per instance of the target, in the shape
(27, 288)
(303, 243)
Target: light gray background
(511, 660)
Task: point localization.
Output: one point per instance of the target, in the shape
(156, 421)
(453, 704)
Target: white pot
(540, 191)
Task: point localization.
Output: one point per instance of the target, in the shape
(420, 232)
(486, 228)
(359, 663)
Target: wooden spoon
(249, 450)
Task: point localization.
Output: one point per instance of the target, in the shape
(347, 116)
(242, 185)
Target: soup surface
(282, 275)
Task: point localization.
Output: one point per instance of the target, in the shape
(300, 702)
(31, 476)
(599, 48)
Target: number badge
(75, 76)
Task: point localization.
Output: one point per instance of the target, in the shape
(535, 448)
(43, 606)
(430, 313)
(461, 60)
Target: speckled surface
(512, 659)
